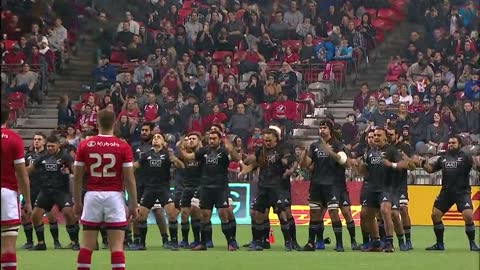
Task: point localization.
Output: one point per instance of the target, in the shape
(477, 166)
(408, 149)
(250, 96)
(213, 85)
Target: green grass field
(456, 257)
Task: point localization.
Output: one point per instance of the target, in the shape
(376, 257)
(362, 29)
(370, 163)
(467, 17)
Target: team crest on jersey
(451, 164)
(51, 167)
(376, 160)
(155, 162)
(321, 153)
(271, 159)
(91, 144)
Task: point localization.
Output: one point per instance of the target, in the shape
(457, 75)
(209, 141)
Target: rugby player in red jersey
(13, 167)
(108, 162)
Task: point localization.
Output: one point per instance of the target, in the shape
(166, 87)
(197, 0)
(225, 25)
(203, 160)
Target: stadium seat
(182, 15)
(381, 24)
(372, 12)
(118, 57)
(218, 56)
(238, 56)
(390, 15)
(301, 108)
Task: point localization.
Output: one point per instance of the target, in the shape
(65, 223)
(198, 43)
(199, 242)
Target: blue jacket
(468, 91)
(108, 71)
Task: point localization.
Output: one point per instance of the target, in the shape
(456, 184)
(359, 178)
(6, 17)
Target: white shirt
(407, 99)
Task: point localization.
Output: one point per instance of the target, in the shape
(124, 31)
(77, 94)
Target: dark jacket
(468, 122)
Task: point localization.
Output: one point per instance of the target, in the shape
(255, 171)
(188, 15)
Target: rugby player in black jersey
(39, 142)
(455, 166)
(399, 186)
(215, 159)
(146, 133)
(189, 202)
(156, 163)
(379, 163)
(55, 168)
(276, 163)
(328, 159)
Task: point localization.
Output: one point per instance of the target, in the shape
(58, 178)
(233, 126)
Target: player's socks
(408, 233)
(54, 231)
(258, 231)
(293, 229)
(142, 229)
(136, 236)
(164, 238)
(313, 228)
(72, 231)
(28, 229)
(227, 231)
(173, 230)
(266, 230)
(381, 230)
(285, 226)
(9, 261)
(439, 229)
(206, 232)
(233, 226)
(84, 259)
(337, 229)
(40, 232)
(470, 231)
(118, 260)
(365, 237)
(128, 236)
(321, 230)
(185, 227)
(196, 228)
(351, 231)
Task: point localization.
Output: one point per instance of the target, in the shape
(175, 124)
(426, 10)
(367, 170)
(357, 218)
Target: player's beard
(454, 150)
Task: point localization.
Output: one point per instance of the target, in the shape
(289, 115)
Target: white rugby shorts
(104, 208)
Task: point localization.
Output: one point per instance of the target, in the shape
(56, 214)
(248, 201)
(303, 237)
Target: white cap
(45, 40)
(277, 129)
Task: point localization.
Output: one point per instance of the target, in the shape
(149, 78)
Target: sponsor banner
(421, 204)
(301, 213)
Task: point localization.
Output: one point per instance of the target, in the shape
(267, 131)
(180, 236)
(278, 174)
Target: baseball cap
(326, 123)
(406, 127)
(393, 116)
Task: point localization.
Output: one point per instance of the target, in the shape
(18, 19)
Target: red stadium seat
(381, 24)
(218, 56)
(118, 57)
(294, 44)
(9, 44)
(182, 15)
(301, 108)
(390, 15)
(238, 56)
(372, 12)
(188, 4)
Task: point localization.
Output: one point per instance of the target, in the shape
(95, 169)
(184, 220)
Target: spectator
(419, 73)
(141, 72)
(217, 117)
(34, 37)
(195, 122)
(293, 17)
(230, 91)
(448, 98)
(193, 88)
(432, 21)
(448, 118)
(249, 61)
(204, 40)
(125, 127)
(356, 40)
(136, 50)
(379, 118)
(333, 16)
(12, 30)
(266, 47)
(15, 56)
(291, 57)
(128, 87)
(131, 109)
(464, 77)
(172, 82)
(255, 141)
(439, 44)
(368, 30)
(417, 132)
(307, 52)
(438, 103)
(193, 27)
(272, 89)
(253, 109)
(48, 55)
(206, 108)
(66, 115)
(283, 111)
(468, 120)
(393, 102)
(344, 51)
(447, 76)
(278, 28)
(88, 117)
(241, 123)
(468, 14)
(92, 103)
(404, 95)
(102, 35)
(254, 30)
(305, 28)
(25, 81)
(361, 100)
(171, 122)
(118, 98)
(235, 28)
(321, 28)
(60, 30)
(230, 109)
(437, 132)
(288, 81)
(104, 75)
(350, 135)
(124, 37)
(229, 69)
(133, 26)
(72, 137)
(255, 89)
(369, 110)
(224, 42)
(394, 70)
(416, 105)
(472, 88)
(403, 115)
(411, 53)
(426, 117)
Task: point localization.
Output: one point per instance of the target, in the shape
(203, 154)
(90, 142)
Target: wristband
(394, 165)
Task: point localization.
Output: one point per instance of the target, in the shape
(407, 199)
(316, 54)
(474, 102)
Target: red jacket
(216, 118)
(14, 58)
(197, 125)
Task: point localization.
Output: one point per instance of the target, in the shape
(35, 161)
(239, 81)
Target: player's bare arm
(78, 174)
(427, 166)
(176, 161)
(130, 186)
(24, 184)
